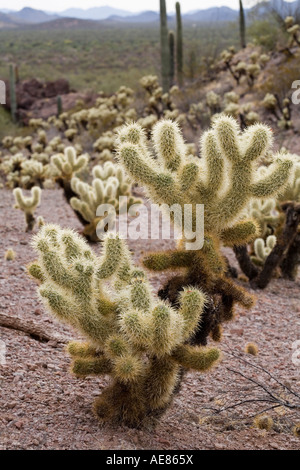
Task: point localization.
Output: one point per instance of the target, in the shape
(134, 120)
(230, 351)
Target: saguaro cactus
(172, 57)
(140, 341)
(12, 92)
(224, 181)
(28, 204)
(179, 45)
(59, 106)
(242, 25)
(164, 47)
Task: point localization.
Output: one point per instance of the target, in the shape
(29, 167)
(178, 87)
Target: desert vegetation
(159, 333)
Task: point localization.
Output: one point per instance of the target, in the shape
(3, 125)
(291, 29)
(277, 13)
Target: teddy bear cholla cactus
(293, 31)
(140, 341)
(262, 249)
(28, 204)
(109, 184)
(224, 181)
(67, 164)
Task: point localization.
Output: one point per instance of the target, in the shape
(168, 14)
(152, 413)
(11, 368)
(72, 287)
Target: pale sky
(131, 5)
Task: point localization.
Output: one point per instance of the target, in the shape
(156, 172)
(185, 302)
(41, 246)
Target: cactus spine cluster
(140, 341)
(28, 204)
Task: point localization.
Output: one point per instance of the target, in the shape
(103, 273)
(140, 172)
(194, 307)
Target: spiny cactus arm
(275, 178)
(166, 330)
(79, 349)
(146, 171)
(128, 368)
(258, 139)
(35, 270)
(111, 258)
(84, 366)
(133, 134)
(189, 176)
(259, 248)
(139, 166)
(214, 163)
(232, 291)
(192, 303)
(230, 144)
(196, 357)
(168, 260)
(240, 234)
(169, 145)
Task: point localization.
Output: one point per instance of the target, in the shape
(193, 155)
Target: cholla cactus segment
(292, 190)
(68, 164)
(263, 249)
(28, 204)
(129, 331)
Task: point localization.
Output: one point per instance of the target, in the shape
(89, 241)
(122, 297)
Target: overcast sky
(132, 5)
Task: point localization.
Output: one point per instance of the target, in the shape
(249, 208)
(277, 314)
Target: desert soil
(42, 406)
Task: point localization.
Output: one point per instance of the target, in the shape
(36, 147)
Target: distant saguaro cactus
(242, 25)
(59, 106)
(172, 57)
(12, 92)
(164, 46)
(179, 45)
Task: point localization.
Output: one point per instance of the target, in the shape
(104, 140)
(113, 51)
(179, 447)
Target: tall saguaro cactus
(164, 46)
(242, 25)
(172, 57)
(59, 106)
(179, 45)
(12, 92)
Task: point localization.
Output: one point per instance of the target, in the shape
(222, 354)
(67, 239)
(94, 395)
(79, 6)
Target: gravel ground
(42, 406)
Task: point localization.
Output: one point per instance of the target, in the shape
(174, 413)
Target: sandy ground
(42, 406)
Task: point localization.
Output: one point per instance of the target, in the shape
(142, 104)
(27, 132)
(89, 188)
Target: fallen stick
(30, 328)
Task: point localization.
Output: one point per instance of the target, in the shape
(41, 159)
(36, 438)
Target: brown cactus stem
(285, 241)
(289, 266)
(30, 221)
(245, 263)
